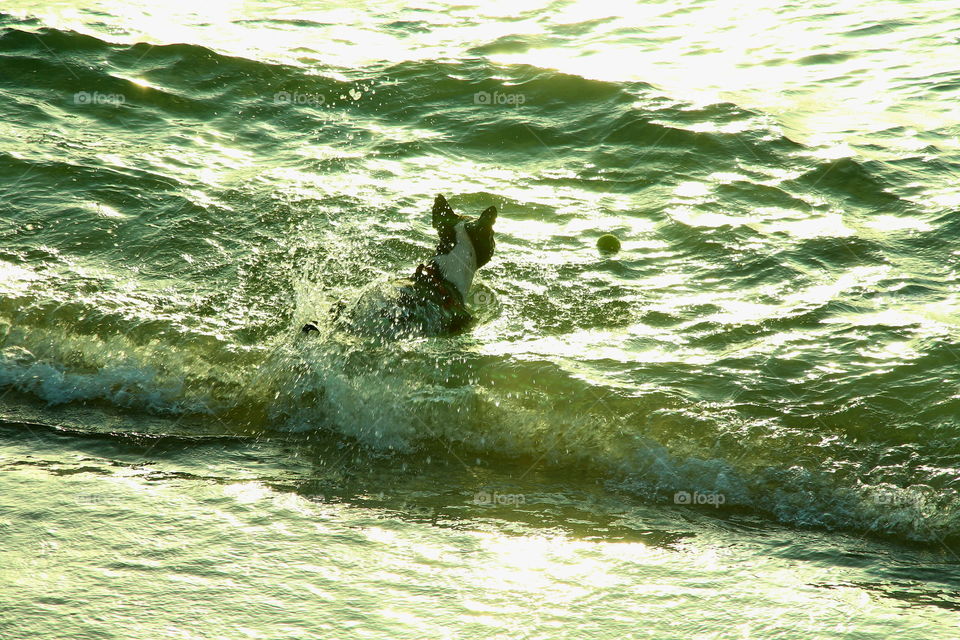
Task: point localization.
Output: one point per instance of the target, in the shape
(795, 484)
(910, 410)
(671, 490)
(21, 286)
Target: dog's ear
(488, 217)
(442, 213)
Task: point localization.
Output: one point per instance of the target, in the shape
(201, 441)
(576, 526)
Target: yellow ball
(608, 243)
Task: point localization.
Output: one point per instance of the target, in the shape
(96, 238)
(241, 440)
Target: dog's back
(402, 307)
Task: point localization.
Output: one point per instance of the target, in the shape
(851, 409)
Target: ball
(608, 243)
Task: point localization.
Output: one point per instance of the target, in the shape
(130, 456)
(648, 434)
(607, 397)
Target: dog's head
(478, 230)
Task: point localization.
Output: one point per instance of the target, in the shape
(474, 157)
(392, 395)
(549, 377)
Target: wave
(411, 398)
(184, 302)
(570, 117)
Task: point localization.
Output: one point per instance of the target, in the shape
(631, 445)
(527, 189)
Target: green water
(742, 425)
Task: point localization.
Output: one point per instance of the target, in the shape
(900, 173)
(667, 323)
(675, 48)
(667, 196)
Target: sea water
(741, 425)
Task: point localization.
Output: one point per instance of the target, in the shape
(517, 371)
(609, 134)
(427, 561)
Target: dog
(433, 300)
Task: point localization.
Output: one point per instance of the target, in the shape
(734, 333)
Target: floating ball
(608, 243)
